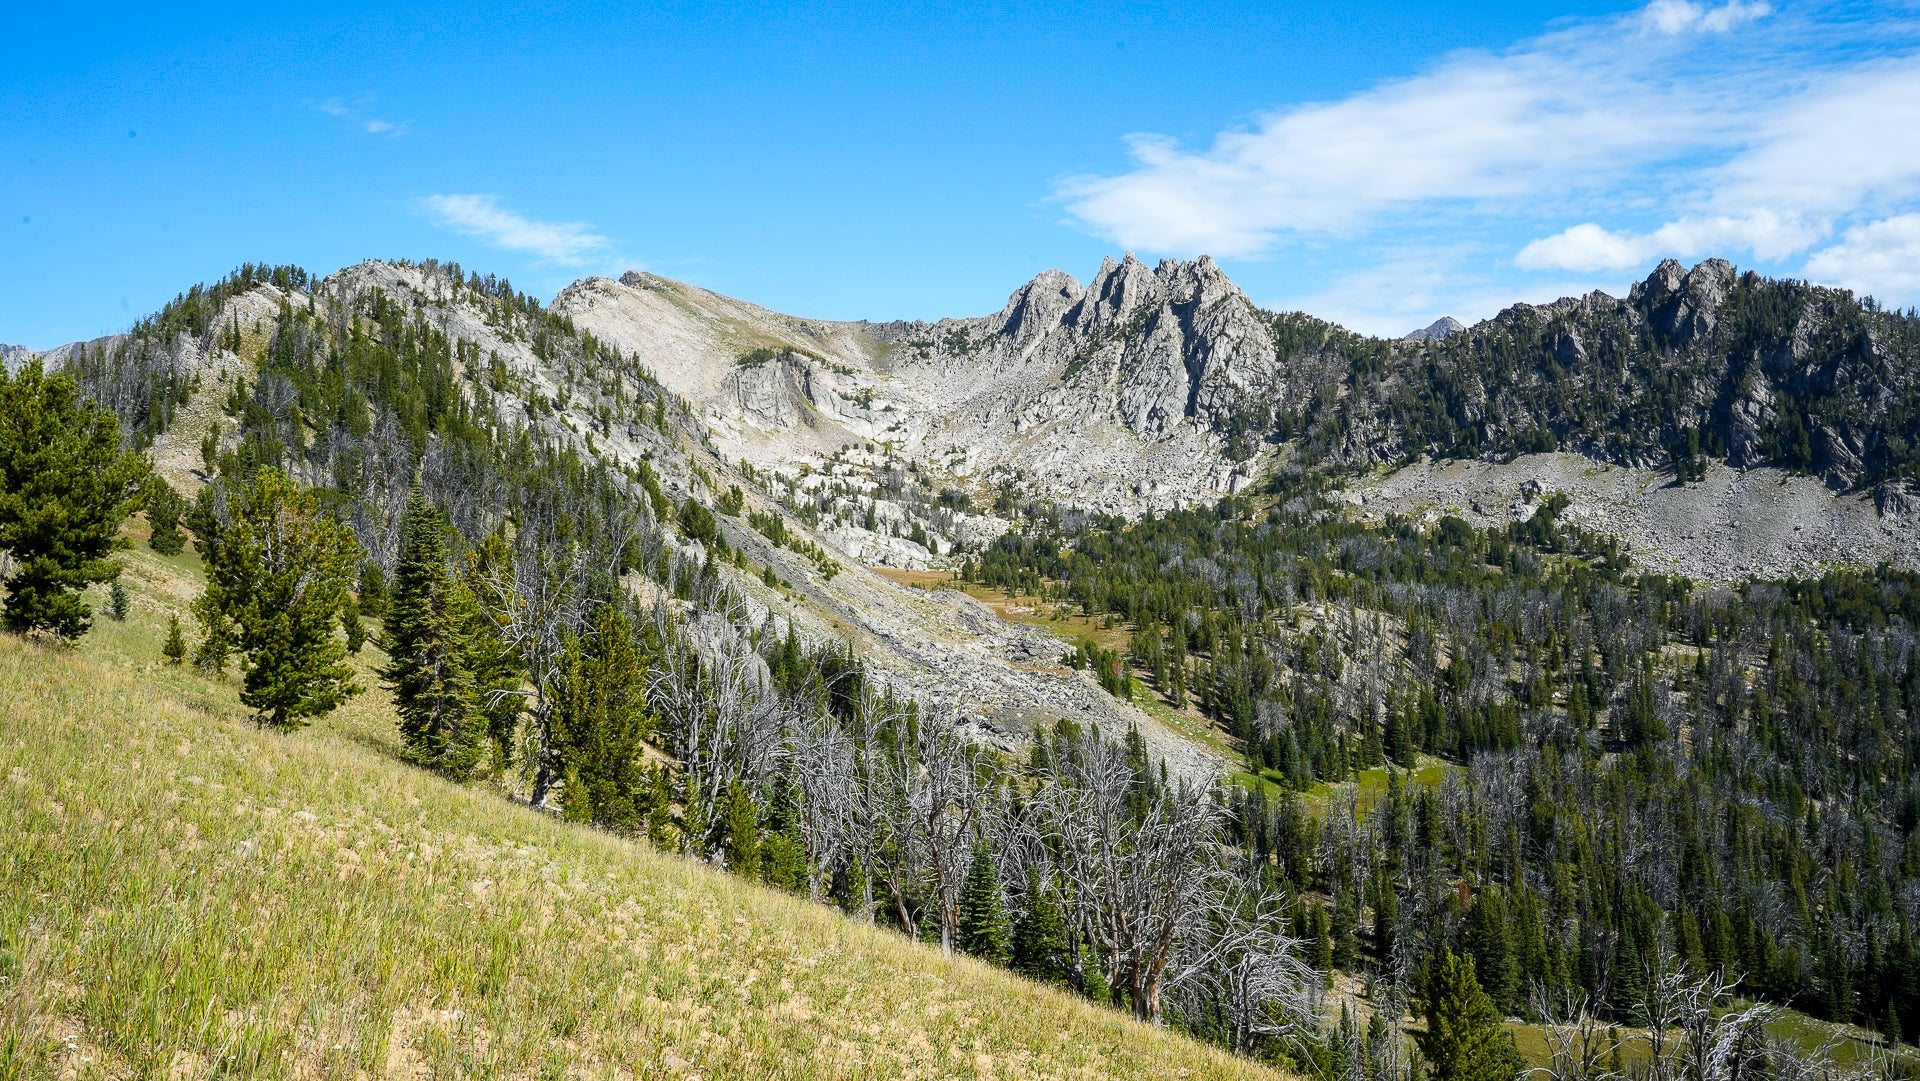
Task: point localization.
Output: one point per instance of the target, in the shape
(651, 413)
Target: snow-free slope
(190, 896)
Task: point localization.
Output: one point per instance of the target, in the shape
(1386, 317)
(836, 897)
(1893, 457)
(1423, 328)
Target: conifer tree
(278, 568)
(373, 590)
(1490, 942)
(164, 507)
(1464, 1040)
(175, 650)
(356, 630)
(599, 721)
(65, 487)
(983, 912)
(1040, 934)
(1399, 742)
(660, 825)
(740, 824)
(427, 664)
(783, 851)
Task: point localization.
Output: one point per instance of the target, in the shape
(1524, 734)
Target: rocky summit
(1444, 327)
(1151, 388)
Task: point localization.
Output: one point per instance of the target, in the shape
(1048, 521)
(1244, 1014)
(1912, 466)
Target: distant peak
(1444, 327)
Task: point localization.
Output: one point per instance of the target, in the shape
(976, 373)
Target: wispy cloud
(565, 243)
(359, 111)
(1680, 129)
(1681, 16)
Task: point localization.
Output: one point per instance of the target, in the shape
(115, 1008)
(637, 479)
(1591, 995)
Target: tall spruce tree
(1490, 941)
(278, 568)
(983, 912)
(1039, 945)
(1464, 1040)
(599, 722)
(65, 487)
(427, 667)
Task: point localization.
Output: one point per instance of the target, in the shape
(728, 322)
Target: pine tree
(164, 507)
(783, 851)
(117, 600)
(373, 590)
(210, 449)
(1490, 942)
(426, 667)
(1464, 1040)
(1040, 934)
(1399, 741)
(740, 825)
(176, 648)
(65, 487)
(277, 575)
(356, 630)
(599, 720)
(660, 826)
(983, 912)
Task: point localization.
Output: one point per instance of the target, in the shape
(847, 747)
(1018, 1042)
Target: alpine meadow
(406, 674)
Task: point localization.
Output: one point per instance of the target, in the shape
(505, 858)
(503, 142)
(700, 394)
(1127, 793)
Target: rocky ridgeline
(901, 443)
(1151, 388)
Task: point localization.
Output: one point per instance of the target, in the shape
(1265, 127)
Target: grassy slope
(183, 895)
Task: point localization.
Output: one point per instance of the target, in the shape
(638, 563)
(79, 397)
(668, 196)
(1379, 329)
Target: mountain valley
(1364, 628)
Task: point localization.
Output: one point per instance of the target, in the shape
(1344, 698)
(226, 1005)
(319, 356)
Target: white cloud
(1881, 258)
(359, 112)
(1682, 129)
(1560, 115)
(1405, 288)
(567, 243)
(1588, 246)
(1680, 16)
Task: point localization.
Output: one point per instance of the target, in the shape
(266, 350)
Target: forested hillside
(1632, 773)
(1482, 772)
(560, 628)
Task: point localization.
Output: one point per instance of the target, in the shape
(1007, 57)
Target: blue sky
(1377, 163)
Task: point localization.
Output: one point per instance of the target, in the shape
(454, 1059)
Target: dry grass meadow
(183, 896)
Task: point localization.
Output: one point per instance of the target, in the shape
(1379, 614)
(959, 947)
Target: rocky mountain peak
(1115, 291)
(1444, 327)
(1038, 306)
(1684, 304)
(1200, 282)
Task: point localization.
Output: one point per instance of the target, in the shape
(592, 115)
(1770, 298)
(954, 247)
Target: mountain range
(1717, 423)
(1628, 582)
(1153, 388)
